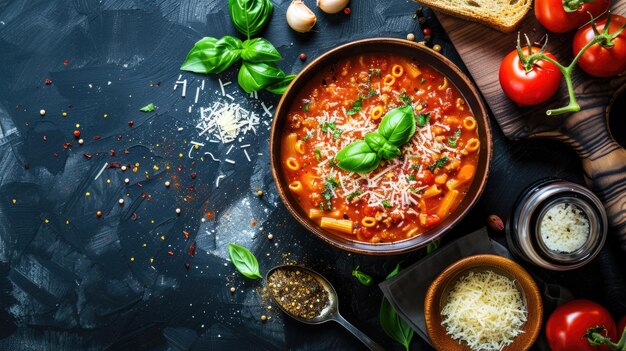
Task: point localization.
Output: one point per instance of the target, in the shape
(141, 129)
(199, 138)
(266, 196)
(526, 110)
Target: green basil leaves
(395, 130)
(244, 261)
(362, 277)
(250, 16)
(394, 326)
(258, 71)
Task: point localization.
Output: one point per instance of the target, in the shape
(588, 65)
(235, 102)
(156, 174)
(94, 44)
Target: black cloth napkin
(407, 290)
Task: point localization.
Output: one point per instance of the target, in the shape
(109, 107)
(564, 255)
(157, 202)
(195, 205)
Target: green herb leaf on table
(244, 261)
(250, 16)
(210, 55)
(357, 157)
(356, 107)
(148, 108)
(423, 119)
(279, 88)
(259, 50)
(362, 277)
(394, 326)
(438, 164)
(434, 245)
(398, 125)
(257, 76)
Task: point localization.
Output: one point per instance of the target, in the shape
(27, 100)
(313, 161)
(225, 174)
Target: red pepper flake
(66, 62)
(45, 138)
(346, 11)
(180, 168)
(99, 214)
(119, 137)
(48, 82)
(193, 176)
(187, 265)
(171, 253)
(126, 151)
(112, 152)
(97, 137)
(426, 31)
(26, 166)
(135, 216)
(191, 188)
(149, 197)
(77, 133)
(140, 185)
(143, 195)
(192, 250)
(67, 145)
(131, 123)
(88, 156)
(209, 214)
(186, 234)
(303, 57)
(114, 165)
(56, 154)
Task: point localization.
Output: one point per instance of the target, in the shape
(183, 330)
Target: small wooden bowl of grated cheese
(483, 303)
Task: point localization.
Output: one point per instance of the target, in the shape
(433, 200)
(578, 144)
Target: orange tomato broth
(401, 197)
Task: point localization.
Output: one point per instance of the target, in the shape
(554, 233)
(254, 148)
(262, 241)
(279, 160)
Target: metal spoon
(330, 312)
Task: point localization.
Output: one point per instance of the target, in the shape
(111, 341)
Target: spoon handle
(371, 344)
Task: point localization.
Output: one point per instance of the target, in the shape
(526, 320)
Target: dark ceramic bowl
(425, 56)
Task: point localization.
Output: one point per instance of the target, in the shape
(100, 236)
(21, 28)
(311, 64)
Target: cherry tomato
(600, 61)
(568, 324)
(530, 88)
(425, 177)
(552, 15)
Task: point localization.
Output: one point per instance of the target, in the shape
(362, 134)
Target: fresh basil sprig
(256, 76)
(250, 16)
(394, 326)
(244, 261)
(210, 55)
(396, 129)
(259, 50)
(362, 277)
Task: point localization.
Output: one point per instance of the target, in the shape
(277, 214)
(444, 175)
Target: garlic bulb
(299, 17)
(332, 6)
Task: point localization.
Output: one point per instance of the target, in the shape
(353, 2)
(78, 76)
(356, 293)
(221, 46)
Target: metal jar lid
(523, 229)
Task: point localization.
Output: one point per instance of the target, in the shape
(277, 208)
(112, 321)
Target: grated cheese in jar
(564, 228)
(485, 310)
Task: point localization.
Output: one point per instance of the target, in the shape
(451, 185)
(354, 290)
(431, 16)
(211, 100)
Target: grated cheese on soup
(485, 310)
(564, 228)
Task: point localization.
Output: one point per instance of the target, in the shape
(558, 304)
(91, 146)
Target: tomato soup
(403, 196)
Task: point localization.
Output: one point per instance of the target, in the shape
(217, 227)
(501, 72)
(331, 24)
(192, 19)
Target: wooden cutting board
(604, 161)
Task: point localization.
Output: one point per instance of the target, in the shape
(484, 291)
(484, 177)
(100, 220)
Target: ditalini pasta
(403, 197)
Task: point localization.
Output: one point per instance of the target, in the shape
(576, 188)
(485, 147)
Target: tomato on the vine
(621, 325)
(601, 60)
(532, 87)
(568, 324)
(553, 14)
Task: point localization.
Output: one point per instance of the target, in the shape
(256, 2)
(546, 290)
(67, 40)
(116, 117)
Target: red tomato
(621, 326)
(600, 61)
(553, 16)
(427, 220)
(530, 88)
(568, 324)
(370, 211)
(425, 177)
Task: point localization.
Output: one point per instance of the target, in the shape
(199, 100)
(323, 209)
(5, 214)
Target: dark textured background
(67, 281)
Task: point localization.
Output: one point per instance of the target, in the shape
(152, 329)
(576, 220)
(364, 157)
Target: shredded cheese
(484, 310)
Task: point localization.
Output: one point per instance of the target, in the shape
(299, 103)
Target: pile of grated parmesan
(484, 310)
(564, 228)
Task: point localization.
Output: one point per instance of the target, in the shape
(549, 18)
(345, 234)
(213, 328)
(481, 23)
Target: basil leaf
(148, 108)
(357, 157)
(356, 107)
(434, 245)
(389, 151)
(386, 204)
(394, 326)
(244, 261)
(398, 125)
(259, 50)
(438, 164)
(250, 16)
(280, 87)
(210, 55)
(362, 277)
(375, 141)
(394, 272)
(256, 76)
(422, 119)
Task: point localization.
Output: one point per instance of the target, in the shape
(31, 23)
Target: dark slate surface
(67, 281)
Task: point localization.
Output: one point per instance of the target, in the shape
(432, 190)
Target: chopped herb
(386, 204)
(423, 119)
(354, 194)
(332, 163)
(434, 245)
(375, 71)
(423, 80)
(371, 93)
(332, 181)
(327, 194)
(308, 136)
(321, 206)
(318, 154)
(362, 277)
(415, 167)
(305, 107)
(337, 133)
(356, 107)
(414, 190)
(148, 108)
(452, 141)
(406, 99)
(438, 164)
(411, 177)
(328, 126)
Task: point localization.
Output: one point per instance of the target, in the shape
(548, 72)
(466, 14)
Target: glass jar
(524, 227)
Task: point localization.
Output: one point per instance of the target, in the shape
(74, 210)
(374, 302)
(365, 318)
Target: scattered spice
(171, 253)
(232, 289)
(120, 201)
(263, 318)
(298, 292)
(167, 183)
(88, 156)
(81, 141)
(42, 112)
(187, 265)
(186, 234)
(410, 37)
(426, 31)
(193, 176)
(178, 211)
(495, 223)
(346, 11)
(259, 193)
(77, 133)
(303, 57)
(192, 250)
(437, 47)
(99, 214)
(270, 236)
(131, 123)
(48, 81)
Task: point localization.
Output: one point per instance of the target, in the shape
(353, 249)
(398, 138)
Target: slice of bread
(503, 15)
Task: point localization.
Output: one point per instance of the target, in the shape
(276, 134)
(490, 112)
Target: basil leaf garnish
(357, 157)
(244, 261)
(398, 125)
(256, 76)
(280, 87)
(389, 151)
(250, 16)
(394, 326)
(375, 141)
(148, 108)
(362, 277)
(210, 55)
(259, 50)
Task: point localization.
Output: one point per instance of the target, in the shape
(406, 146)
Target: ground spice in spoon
(298, 292)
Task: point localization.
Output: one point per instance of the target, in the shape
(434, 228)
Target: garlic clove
(332, 6)
(299, 17)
